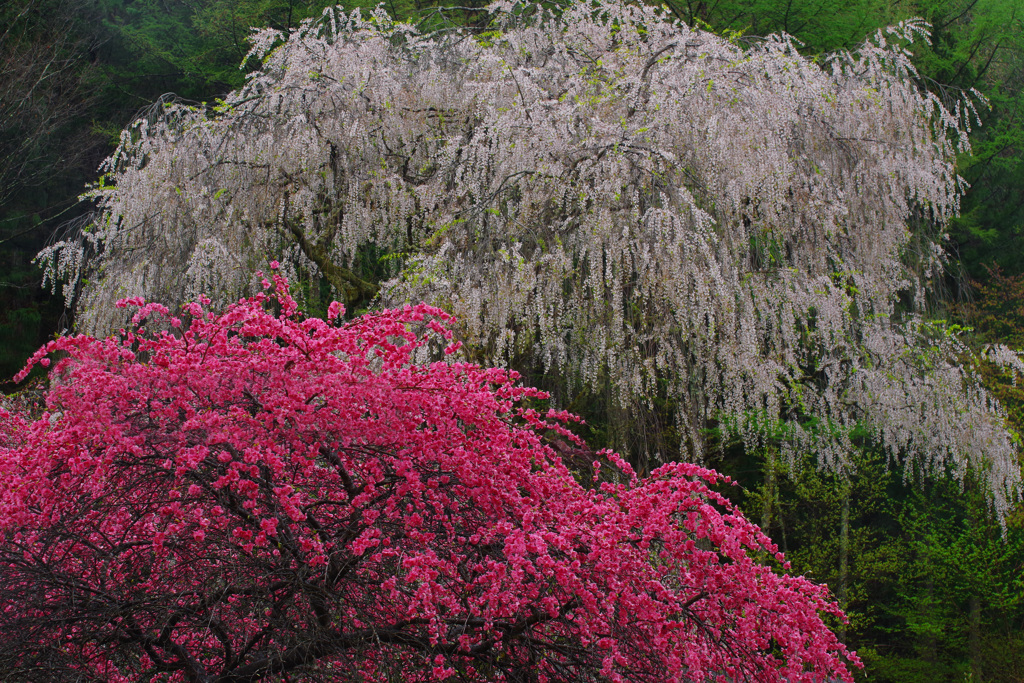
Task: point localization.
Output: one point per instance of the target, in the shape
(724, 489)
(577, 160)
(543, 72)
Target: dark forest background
(934, 586)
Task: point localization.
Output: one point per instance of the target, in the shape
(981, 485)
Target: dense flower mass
(257, 496)
(628, 202)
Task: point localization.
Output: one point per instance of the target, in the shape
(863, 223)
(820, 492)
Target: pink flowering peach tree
(255, 495)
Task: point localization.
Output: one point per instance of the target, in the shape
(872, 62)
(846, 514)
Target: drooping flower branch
(632, 203)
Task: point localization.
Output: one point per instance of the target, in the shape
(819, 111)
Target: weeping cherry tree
(628, 202)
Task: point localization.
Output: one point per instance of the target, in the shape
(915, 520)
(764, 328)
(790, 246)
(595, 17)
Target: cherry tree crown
(629, 202)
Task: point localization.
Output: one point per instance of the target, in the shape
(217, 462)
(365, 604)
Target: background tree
(48, 91)
(264, 496)
(821, 25)
(930, 581)
(980, 45)
(44, 88)
(632, 203)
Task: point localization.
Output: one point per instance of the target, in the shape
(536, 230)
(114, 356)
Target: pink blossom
(262, 483)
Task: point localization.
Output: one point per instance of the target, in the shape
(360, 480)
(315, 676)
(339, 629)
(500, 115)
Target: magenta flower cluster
(261, 496)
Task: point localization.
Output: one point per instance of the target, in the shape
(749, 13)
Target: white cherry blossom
(630, 202)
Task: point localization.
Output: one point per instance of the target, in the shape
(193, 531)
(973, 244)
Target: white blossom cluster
(629, 200)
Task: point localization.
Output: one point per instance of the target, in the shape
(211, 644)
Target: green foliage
(996, 311)
(996, 314)
(932, 584)
(980, 45)
(193, 48)
(822, 25)
(960, 592)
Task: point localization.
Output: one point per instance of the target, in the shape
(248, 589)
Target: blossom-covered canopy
(630, 202)
(257, 496)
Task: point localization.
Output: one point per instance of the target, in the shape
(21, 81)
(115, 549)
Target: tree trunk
(770, 494)
(844, 553)
(974, 637)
